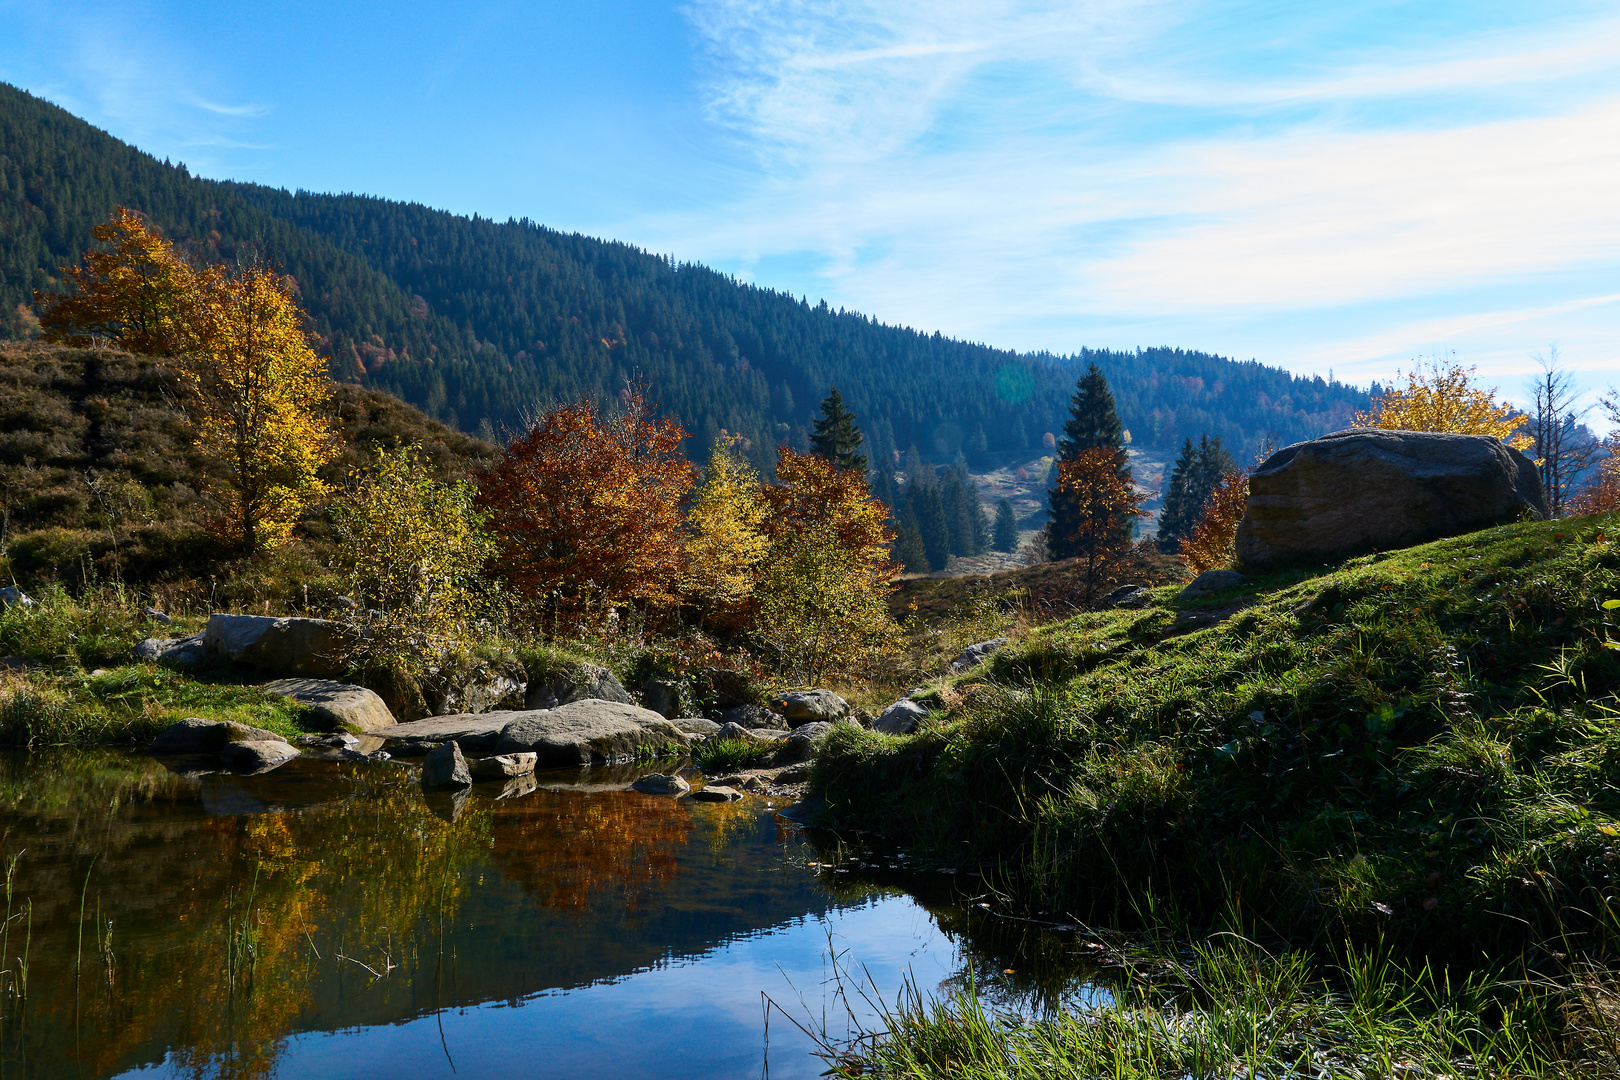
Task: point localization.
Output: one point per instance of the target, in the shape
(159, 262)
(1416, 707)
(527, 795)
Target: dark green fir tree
(836, 437)
(1006, 538)
(1093, 422)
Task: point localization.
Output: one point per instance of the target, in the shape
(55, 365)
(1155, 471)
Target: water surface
(329, 920)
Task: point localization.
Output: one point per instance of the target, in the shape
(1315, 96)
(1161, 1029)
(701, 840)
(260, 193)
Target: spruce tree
(1173, 523)
(836, 437)
(909, 551)
(1006, 538)
(926, 505)
(1093, 422)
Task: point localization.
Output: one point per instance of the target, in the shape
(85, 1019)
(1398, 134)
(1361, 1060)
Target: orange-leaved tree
(824, 580)
(585, 507)
(1100, 498)
(1444, 397)
(1212, 544)
(257, 394)
(252, 385)
(138, 292)
(727, 542)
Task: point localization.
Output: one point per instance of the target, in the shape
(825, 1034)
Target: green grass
(129, 705)
(1422, 746)
(718, 756)
(1232, 1009)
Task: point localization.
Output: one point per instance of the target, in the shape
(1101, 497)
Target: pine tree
(978, 445)
(836, 438)
(908, 544)
(1093, 424)
(929, 511)
(1174, 517)
(1006, 527)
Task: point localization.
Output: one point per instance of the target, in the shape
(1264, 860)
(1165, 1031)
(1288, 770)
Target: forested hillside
(475, 320)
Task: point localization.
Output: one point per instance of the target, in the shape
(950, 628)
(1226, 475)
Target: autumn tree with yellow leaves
(138, 293)
(253, 387)
(726, 541)
(256, 393)
(823, 583)
(414, 548)
(1444, 397)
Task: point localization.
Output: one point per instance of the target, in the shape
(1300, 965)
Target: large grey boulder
(586, 681)
(336, 706)
(194, 735)
(445, 767)
(696, 725)
(901, 718)
(181, 652)
(802, 706)
(974, 655)
(474, 732)
(257, 755)
(583, 732)
(291, 646)
(1367, 489)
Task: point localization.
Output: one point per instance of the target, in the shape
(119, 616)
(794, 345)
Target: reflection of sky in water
(693, 1014)
(584, 930)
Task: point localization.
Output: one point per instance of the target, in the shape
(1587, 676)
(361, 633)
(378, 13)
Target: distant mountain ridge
(478, 322)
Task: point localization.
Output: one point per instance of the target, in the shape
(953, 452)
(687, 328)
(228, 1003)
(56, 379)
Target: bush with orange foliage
(1601, 494)
(1212, 545)
(1091, 483)
(585, 508)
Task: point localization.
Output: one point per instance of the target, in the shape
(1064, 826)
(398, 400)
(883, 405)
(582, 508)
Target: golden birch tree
(1444, 397)
(256, 393)
(726, 541)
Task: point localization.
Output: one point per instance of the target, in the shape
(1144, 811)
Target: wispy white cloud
(1034, 173)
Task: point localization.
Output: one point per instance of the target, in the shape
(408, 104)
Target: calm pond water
(328, 920)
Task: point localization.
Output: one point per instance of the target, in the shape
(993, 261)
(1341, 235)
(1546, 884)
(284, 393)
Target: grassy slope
(99, 478)
(1420, 746)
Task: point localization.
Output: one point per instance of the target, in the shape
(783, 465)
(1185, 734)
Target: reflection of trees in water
(215, 938)
(570, 851)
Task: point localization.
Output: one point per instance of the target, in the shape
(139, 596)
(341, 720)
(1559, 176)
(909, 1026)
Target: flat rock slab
(583, 732)
(336, 706)
(475, 732)
(716, 793)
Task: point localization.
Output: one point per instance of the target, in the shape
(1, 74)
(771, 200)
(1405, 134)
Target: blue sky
(1322, 186)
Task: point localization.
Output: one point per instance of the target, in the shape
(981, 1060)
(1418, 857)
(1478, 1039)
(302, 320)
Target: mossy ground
(1421, 747)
